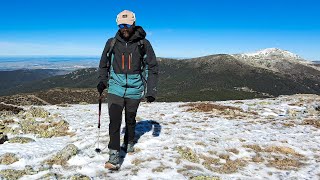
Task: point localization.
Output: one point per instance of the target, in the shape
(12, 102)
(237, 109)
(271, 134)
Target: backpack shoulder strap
(113, 42)
(142, 48)
(143, 51)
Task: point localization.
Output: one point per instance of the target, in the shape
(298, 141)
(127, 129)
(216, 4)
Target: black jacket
(127, 61)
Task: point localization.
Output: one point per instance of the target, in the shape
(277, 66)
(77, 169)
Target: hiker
(129, 69)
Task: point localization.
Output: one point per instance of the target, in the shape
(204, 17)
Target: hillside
(11, 80)
(268, 73)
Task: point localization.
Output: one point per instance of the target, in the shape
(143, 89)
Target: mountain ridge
(213, 77)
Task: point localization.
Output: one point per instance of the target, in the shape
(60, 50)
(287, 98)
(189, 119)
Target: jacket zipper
(130, 58)
(122, 59)
(125, 90)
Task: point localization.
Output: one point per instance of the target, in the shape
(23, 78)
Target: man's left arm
(153, 71)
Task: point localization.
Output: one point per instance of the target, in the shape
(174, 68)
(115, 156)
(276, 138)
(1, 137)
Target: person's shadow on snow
(142, 127)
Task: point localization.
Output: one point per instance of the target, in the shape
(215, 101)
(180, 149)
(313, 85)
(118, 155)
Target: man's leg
(115, 104)
(131, 107)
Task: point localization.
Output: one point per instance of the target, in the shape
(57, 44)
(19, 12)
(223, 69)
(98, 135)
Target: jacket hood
(138, 35)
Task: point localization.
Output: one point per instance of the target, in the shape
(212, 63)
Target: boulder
(63, 156)
(8, 158)
(21, 140)
(3, 138)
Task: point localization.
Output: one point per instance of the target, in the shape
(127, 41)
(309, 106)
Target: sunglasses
(121, 26)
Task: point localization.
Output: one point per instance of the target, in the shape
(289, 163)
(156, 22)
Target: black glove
(150, 99)
(101, 87)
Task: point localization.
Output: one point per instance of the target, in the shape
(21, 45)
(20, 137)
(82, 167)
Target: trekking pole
(100, 101)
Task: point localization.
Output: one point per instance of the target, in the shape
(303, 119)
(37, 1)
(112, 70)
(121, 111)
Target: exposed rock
(10, 108)
(188, 154)
(292, 113)
(63, 156)
(5, 127)
(12, 174)
(37, 112)
(29, 170)
(313, 110)
(21, 140)
(6, 113)
(204, 178)
(3, 138)
(44, 167)
(8, 158)
(64, 105)
(2, 127)
(79, 177)
(50, 176)
(45, 129)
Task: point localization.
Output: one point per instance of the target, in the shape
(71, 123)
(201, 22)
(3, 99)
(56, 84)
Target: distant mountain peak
(273, 53)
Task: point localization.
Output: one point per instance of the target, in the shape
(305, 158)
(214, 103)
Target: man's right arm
(104, 65)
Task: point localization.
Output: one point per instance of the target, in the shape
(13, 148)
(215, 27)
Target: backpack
(142, 51)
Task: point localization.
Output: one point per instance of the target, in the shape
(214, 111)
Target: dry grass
(214, 164)
(205, 178)
(283, 158)
(178, 160)
(257, 158)
(188, 154)
(173, 122)
(208, 161)
(313, 122)
(12, 173)
(285, 163)
(8, 121)
(231, 166)
(288, 124)
(282, 150)
(233, 150)
(213, 152)
(207, 107)
(274, 149)
(160, 168)
(46, 129)
(254, 147)
(224, 156)
(216, 110)
(135, 170)
(188, 171)
(196, 129)
(201, 143)
(8, 158)
(138, 161)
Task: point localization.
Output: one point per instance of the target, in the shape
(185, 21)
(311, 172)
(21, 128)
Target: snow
(273, 59)
(178, 127)
(273, 51)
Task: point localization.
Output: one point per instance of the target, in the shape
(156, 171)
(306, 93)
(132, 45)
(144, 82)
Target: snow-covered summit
(274, 59)
(270, 53)
(273, 53)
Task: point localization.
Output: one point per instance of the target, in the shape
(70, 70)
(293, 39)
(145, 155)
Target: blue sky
(175, 28)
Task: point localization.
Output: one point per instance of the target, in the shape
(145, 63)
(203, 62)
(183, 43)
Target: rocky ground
(274, 138)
